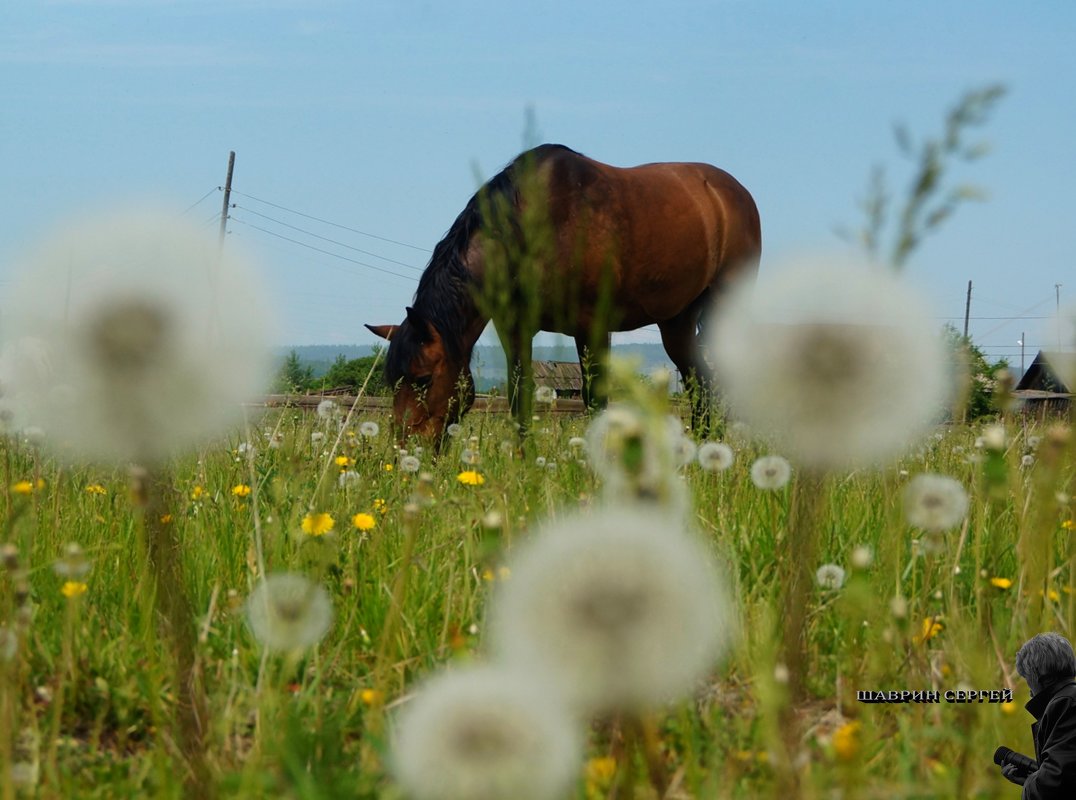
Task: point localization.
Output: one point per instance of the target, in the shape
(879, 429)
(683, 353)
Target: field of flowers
(386, 567)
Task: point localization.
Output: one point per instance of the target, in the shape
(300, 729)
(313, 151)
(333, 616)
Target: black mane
(443, 297)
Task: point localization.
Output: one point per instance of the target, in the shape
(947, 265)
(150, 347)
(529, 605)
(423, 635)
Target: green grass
(90, 696)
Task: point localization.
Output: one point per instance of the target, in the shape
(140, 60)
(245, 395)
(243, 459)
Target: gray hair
(1044, 658)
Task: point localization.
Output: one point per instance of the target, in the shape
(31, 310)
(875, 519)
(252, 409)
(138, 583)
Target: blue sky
(378, 116)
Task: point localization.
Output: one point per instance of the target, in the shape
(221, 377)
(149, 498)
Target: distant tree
(293, 376)
(356, 372)
(978, 379)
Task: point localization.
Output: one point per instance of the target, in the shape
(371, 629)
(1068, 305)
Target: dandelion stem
(174, 606)
(800, 545)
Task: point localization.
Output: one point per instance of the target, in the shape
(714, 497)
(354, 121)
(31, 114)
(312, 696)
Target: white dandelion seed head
(539, 461)
(862, 556)
(715, 456)
(771, 472)
(821, 360)
(246, 449)
(1027, 460)
(1033, 442)
(545, 395)
(9, 644)
(830, 576)
(636, 456)
(935, 503)
(621, 609)
(328, 410)
(684, 450)
(410, 464)
(135, 338)
(469, 457)
(994, 437)
(317, 437)
(286, 611)
(485, 733)
(577, 443)
(369, 429)
(454, 430)
(347, 478)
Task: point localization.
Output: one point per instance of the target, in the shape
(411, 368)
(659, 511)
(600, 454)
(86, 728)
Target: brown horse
(624, 248)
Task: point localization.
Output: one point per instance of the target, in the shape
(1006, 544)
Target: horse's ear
(384, 331)
(419, 323)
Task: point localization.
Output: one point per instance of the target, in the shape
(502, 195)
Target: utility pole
(228, 198)
(1057, 295)
(967, 305)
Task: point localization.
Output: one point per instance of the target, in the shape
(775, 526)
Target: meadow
(409, 549)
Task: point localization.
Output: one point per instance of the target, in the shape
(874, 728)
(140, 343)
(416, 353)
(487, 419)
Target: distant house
(1042, 390)
(565, 377)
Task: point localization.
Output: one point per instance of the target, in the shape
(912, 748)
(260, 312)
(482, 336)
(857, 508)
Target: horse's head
(432, 388)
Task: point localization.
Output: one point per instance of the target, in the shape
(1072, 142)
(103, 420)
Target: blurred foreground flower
(288, 612)
(841, 362)
(935, 503)
(485, 734)
(147, 339)
(621, 609)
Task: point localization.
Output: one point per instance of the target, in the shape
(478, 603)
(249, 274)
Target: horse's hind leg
(680, 337)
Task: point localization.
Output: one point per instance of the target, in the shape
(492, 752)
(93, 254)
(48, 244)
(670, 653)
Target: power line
(199, 201)
(333, 224)
(327, 239)
(320, 250)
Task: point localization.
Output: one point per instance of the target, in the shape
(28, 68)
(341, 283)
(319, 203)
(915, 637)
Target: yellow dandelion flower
(931, 628)
(363, 521)
(388, 468)
(343, 461)
(599, 774)
(846, 743)
(73, 589)
(197, 493)
(471, 478)
(487, 575)
(1009, 708)
(1069, 524)
(1052, 594)
(166, 519)
(241, 490)
(96, 488)
(371, 697)
(23, 487)
(381, 506)
(318, 524)
(1001, 583)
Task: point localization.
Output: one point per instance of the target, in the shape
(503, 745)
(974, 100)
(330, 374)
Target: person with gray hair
(1048, 664)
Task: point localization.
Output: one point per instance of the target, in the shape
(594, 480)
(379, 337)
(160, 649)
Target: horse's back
(669, 230)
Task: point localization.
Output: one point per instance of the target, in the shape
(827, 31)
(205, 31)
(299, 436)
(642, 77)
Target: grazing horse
(622, 248)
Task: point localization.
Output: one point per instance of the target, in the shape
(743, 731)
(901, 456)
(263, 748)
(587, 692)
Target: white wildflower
(823, 359)
(771, 472)
(151, 338)
(328, 409)
(715, 456)
(830, 576)
(935, 502)
(484, 733)
(347, 478)
(994, 437)
(369, 429)
(620, 608)
(544, 395)
(288, 612)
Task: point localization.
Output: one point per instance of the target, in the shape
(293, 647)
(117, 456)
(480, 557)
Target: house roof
(1046, 371)
(560, 375)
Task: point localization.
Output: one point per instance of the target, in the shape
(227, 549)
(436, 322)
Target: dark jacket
(1054, 731)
